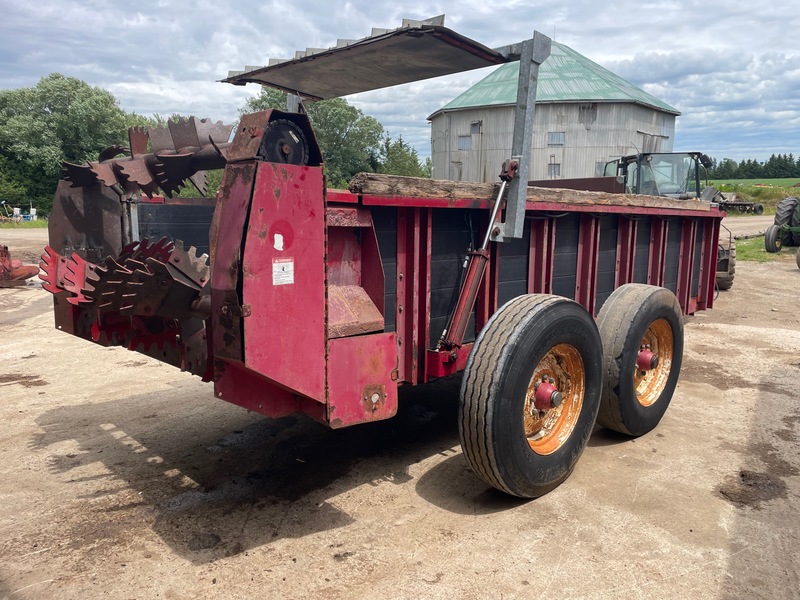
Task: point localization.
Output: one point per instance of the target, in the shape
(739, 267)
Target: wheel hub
(554, 399)
(653, 363)
(646, 359)
(546, 394)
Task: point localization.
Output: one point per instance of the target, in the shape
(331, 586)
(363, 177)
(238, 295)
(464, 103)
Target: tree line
(65, 119)
(777, 166)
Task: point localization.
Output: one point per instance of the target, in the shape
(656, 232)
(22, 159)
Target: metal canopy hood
(418, 50)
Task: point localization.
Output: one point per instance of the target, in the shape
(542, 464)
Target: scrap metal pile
(14, 272)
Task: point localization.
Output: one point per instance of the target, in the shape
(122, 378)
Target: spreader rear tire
(506, 440)
(635, 315)
(772, 239)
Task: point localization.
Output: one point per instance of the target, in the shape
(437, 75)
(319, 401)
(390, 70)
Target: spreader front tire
(510, 437)
(636, 323)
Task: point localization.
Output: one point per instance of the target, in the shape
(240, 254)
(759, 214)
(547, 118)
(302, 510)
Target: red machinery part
(646, 359)
(546, 395)
(14, 272)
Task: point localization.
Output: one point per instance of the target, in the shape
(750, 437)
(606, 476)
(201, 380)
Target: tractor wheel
(786, 214)
(772, 239)
(530, 394)
(758, 209)
(726, 256)
(642, 331)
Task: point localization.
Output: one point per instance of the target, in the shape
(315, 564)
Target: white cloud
(729, 67)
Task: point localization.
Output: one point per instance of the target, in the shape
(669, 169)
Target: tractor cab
(673, 174)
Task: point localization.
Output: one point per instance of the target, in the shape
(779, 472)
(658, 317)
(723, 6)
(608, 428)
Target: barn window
(554, 169)
(556, 138)
(465, 142)
(475, 127)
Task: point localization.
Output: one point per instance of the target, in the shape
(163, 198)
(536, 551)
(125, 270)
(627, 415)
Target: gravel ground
(123, 478)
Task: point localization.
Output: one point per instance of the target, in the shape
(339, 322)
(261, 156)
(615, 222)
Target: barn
(585, 116)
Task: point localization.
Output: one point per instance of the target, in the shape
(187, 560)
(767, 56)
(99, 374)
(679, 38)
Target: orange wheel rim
(548, 430)
(649, 384)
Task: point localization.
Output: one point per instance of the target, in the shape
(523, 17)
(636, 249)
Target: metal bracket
(237, 311)
(534, 52)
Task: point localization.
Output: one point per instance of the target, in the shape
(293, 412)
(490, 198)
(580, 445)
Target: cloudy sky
(732, 68)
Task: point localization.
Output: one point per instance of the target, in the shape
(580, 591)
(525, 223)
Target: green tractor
(785, 231)
(678, 175)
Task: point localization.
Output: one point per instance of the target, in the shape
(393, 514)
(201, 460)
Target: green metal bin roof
(566, 76)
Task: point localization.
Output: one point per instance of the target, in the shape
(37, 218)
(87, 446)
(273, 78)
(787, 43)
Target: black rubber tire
(797, 259)
(725, 278)
(623, 321)
(495, 384)
(772, 239)
(758, 209)
(786, 214)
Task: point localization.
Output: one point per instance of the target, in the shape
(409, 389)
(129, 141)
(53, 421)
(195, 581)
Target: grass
(786, 182)
(767, 192)
(38, 224)
(752, 249)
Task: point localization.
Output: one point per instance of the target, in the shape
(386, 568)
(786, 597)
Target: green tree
(400, 158)
(351, 142)
(60, 118)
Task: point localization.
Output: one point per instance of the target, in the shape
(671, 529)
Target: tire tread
(483, 370)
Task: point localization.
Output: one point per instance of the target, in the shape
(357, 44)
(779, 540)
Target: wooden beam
(415, 187)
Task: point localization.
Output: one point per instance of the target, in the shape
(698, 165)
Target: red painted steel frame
(292, 358)
(284, 279)
(542, 252)
(296, 257)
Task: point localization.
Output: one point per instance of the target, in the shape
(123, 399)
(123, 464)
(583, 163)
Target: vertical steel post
(534, 52)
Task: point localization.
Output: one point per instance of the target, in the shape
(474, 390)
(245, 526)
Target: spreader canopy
(419, 50)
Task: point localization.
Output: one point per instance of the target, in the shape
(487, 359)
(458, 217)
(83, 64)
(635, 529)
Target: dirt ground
(123, 478)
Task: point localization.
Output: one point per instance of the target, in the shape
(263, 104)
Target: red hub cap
(547, 395)
(647, 359)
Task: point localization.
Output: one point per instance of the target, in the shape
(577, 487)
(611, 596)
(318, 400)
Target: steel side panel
(586, 274)
(225, 240)
(361, 369)
(237, 385)
(284, 278)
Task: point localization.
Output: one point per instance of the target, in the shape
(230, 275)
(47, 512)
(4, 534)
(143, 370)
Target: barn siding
(618, 128)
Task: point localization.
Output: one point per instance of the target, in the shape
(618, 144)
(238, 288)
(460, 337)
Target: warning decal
(282, 271)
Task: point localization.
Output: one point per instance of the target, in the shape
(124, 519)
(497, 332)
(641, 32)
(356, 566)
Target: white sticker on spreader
(282, 271)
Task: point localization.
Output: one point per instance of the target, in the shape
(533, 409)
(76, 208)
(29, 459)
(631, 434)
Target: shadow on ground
(217, 481)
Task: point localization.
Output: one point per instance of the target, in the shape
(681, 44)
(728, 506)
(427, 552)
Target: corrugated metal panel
(418, 50)
(565, 76)
(592, 135)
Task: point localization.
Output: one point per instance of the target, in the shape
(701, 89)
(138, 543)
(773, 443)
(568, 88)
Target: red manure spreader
(562, 308)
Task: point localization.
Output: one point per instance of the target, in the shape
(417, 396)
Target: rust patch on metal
(547, 430)
(649, 384)
(348, 217)
(351, 312)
